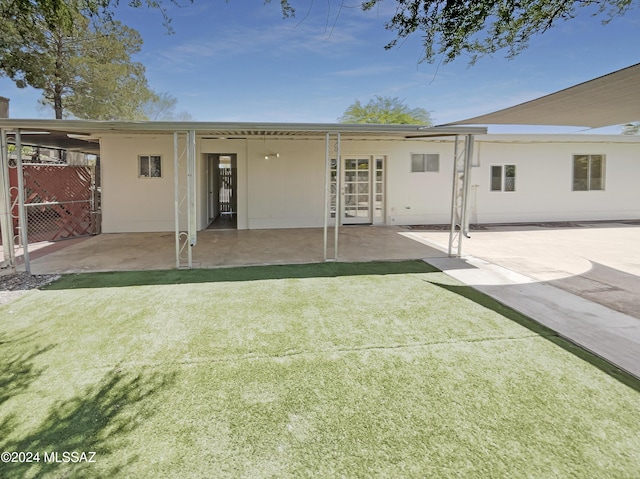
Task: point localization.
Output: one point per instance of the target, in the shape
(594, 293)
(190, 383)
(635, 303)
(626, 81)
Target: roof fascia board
(582, 138)
(84, 126)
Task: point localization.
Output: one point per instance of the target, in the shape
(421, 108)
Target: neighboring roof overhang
(612, 99)
(58, 140)
(82, 135)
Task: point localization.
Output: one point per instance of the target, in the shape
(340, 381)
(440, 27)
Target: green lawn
(332, 370)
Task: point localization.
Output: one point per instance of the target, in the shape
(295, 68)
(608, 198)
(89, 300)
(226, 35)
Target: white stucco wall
(130, 203)
(285, 191)
(288, 190)
(544, 171)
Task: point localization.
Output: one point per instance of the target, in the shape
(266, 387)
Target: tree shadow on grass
(244, 273)
(97, 420)
(488, 302)
(17, 370)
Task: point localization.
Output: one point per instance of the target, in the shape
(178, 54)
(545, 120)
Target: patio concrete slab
(153, 251)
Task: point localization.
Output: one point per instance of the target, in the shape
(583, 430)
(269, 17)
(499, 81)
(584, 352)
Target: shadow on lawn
(246, 273)
(97, 420)
(494, 305)
(17, 371)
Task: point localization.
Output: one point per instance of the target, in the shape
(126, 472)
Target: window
(421, 163)
(150, 166)
(588, 172)
(503, 178)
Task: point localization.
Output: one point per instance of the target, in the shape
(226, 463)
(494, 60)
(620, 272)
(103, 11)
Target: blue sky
(241, 61)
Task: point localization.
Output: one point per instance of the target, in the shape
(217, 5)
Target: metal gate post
(22, 216)
(6, 223)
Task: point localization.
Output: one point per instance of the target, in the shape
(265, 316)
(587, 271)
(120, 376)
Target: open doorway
(222, 202)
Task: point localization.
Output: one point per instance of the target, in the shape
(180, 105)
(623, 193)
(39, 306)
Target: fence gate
(61, 201)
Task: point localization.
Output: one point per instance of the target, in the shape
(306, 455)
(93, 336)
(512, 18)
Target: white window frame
(603, 157)
(427, 160)
(148, 158)
(503, 177)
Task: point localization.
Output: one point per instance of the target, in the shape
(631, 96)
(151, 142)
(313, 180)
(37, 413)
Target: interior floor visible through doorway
(224, 222)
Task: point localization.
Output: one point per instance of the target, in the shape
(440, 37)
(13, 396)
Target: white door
(362, 198)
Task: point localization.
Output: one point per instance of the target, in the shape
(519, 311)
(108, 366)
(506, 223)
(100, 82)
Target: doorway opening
(222, 204)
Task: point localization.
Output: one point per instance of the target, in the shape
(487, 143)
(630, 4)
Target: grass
(332, 370)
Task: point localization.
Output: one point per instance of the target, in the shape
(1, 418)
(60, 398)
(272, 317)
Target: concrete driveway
(598, 261)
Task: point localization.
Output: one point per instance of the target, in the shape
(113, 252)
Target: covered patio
(192, 183)
(154, 251)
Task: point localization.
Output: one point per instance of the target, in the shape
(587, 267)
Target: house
(268, 180)
(273, 176)
(187, 177)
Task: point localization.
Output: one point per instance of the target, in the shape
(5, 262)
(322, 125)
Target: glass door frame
(371, 189)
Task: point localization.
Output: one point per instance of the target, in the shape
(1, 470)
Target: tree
(449, 27)
(83, 69)
(385, 111)
(455, 27)
(162, 107)
(63, 12)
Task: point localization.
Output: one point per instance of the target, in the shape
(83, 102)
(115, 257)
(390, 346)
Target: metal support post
(192, 226)
(184, 161)
(327, 195)
(181, 199)
(463, 150)
(176, 194)
(338, 197)
(467, 187)
(22, 213)
(6, 223)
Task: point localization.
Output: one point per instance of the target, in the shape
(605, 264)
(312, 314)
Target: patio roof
(608, 100)
(83, 134)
